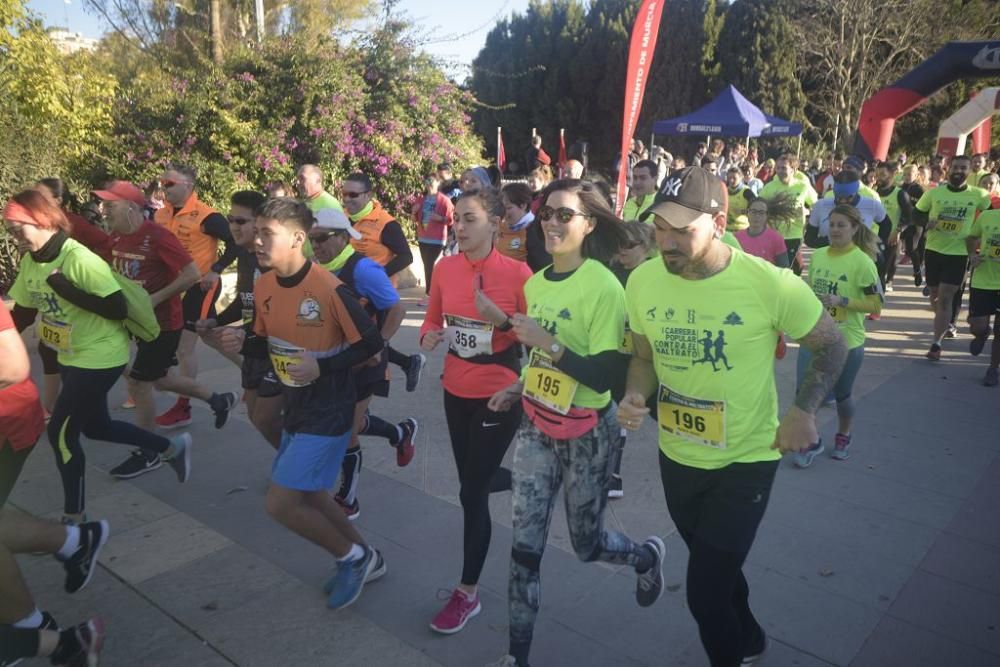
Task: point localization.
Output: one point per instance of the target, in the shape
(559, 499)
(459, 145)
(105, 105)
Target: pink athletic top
(452, 293)
(768, 245)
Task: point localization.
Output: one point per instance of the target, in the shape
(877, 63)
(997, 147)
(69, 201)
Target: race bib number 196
(692, 419)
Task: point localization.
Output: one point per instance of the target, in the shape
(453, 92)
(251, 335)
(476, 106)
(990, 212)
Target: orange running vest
(185, 224)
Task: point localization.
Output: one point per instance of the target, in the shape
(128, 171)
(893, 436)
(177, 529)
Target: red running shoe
(177, 416)
(405, 449)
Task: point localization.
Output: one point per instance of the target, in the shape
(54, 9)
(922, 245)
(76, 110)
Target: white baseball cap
(331, 218)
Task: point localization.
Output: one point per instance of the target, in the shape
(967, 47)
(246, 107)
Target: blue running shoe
(805, 458)
(349, 580)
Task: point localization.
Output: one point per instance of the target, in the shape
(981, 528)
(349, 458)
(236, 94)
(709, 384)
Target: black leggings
(479, 440)
(11, 463)
(792, 248)
(915, 251)
(891, 258)
(17, 643)
(82, 408)
(429, 253)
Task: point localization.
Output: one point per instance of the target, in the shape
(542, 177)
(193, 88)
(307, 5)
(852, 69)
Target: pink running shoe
(456, 613)
(841, 447)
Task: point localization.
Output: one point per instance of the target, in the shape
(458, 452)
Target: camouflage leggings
(541, 465)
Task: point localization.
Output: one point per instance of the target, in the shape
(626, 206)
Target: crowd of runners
(562, 327)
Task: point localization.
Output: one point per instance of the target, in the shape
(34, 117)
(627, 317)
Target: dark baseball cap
(686, 195)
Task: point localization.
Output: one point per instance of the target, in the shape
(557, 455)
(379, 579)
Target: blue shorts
(307, 462)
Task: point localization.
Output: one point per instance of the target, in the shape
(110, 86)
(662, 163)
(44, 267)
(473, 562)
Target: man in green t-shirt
(947, 212)
(984, 297)
(309, 183)
(645, 174)
(704, 320)
(785, 182)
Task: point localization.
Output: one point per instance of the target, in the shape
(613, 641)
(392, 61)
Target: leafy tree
(757, 55)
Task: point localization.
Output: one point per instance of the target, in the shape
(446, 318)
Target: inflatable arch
(956, 60)
(956, 129)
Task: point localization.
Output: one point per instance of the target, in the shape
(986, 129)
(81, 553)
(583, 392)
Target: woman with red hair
(82, 308)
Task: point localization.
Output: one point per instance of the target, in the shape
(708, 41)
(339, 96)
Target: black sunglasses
(563, 214)
(323, 237)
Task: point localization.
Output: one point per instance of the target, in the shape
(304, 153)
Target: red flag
(562, 154)
(501, 154)
(640, 59)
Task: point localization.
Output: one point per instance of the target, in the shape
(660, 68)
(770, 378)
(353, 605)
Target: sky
(436, 19)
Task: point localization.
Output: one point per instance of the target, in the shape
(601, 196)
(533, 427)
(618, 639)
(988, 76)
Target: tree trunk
(215, 18)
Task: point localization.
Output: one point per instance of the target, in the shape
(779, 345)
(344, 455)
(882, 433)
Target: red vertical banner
(980, 137)
(562, 153)
(640, 60)
(501, 154)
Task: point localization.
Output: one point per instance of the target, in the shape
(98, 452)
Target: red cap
(122, 190)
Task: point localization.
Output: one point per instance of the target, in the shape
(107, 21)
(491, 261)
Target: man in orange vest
(199, 227)
(383, 241)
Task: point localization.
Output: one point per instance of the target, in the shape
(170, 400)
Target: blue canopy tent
(730, 114)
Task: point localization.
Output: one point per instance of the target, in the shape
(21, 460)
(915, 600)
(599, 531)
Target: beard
(957, 180)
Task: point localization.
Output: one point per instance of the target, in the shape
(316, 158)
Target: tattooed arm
(829, 352)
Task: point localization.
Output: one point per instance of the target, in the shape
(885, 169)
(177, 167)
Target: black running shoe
(417, 362)
(977, 344)
(918, 280)
(49, 622)
(221, 404)
(139, 462)
(649, 586)
(81, 565)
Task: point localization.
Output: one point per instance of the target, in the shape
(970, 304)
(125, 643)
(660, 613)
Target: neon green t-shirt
(975, 176)
(730, 240)
(863, 190)
(890, 203)
(851, 274)
(954, 212)
(804, 197)
(635, 207)
(986, 228)
(585, 311)
(713, 351)
(81, 338)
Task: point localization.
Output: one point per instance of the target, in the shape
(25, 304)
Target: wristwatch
(555, 347)
(506, 326)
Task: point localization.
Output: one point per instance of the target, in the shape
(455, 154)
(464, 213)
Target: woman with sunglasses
(574, 325)
(82, 309)
(470, 301)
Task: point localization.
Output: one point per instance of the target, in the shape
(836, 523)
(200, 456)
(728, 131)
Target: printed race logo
(309, 312)
(987, 58)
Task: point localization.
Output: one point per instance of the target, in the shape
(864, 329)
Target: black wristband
(506, 326)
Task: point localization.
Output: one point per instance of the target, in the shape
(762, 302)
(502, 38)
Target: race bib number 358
(692, 419)
(468, 337)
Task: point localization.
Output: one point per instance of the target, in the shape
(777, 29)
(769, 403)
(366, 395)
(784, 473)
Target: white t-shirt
(871, 211)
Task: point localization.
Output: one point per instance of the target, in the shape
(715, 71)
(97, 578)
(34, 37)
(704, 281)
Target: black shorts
(984, 302)
(946, 269)
(11, 463)
(154, 359)
(258, 375)
(378, 388)
(50, 359)
(192, 301)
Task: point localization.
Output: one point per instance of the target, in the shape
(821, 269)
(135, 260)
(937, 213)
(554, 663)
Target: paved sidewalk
(890, 558)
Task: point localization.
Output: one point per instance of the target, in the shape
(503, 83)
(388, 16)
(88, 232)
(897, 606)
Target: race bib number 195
(547, 385)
